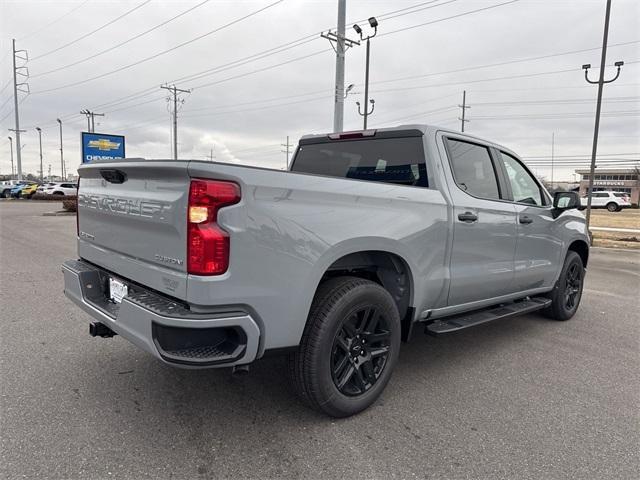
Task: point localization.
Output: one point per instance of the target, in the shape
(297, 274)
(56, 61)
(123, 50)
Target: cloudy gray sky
(269, 74)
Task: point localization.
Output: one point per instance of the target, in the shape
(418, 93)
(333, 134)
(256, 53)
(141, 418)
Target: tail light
(207, 243)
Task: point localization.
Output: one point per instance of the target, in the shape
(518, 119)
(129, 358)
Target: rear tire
(612, 207)
(565, 296)
(349, 347)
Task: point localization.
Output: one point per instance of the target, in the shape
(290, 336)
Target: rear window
(620, 195)
(387, 160)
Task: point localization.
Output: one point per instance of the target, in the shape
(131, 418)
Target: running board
(471, 319)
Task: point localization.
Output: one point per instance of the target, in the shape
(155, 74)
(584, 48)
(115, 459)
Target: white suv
(612, 201)
(62, 189)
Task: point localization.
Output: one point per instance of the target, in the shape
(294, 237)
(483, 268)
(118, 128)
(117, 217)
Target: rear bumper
(162, 327)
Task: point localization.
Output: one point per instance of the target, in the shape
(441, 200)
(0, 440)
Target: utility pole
(11, 147)
(601, 81)
(287, 146)
(62, 169)
(464, 109)
(212, 155)
(341, 45)
(174, 92)
(553, 142)
(40, 139)
(22, 87)
(91, 124)
(49, 174)
(374, 24)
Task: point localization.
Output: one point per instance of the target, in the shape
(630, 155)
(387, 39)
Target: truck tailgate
(132, 221)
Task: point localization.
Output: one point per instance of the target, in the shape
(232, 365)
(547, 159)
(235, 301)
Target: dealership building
(615, 179)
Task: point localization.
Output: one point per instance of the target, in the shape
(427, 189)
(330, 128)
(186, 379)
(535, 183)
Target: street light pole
(62, 172)
(40, 139)
(338, 111)
(374, 24)
(601, 81)
(11, 147)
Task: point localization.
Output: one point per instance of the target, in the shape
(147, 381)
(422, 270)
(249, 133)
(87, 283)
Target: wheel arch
(581, 248)
(388, 268)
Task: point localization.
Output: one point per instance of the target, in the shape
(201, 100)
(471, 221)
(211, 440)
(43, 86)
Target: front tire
(612, 207)
(349, 347)
(565, 296)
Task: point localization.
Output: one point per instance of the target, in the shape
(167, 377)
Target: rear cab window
(396, 160)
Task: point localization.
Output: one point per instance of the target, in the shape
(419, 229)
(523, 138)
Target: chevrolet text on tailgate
(369, 236)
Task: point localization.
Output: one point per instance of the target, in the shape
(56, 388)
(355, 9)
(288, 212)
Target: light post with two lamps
(374, 24)
(11, 146)
(41, 168)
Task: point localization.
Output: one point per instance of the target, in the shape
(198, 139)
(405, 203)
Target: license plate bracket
(117, 290)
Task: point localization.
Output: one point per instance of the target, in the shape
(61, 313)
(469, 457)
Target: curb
(59, 213)
(609, 249)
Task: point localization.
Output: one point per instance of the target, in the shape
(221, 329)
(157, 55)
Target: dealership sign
(96, 146)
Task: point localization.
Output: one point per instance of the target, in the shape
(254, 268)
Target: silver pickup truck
(369, 235)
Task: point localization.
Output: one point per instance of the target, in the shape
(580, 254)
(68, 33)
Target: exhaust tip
(240, 370)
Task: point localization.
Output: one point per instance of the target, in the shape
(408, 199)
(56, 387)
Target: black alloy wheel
(349, 346)
(573, 287)
(360, 351)
(567, 293)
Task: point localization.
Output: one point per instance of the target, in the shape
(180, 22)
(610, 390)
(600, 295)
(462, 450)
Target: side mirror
(566, 200)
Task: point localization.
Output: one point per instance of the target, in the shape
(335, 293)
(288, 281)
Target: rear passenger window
(473, 169)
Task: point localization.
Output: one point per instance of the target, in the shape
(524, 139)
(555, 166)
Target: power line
(560, 101)
(64, 15)
(580, 156)
(280, 48)
(264, 107)
(271, 51)
(465, 82)
(449, 18)
(82, 37)
(414, 9)
(5, 86)
(500, 64)
(614, 113)
(254, 57)
(135, 37)
(199, 37)
(270, 67)
(148, 91)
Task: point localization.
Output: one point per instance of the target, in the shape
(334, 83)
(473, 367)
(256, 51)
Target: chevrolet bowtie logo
(104, 145)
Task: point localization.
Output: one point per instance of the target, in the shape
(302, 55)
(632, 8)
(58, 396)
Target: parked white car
(44, 186)
(612, 201)
(62, 189)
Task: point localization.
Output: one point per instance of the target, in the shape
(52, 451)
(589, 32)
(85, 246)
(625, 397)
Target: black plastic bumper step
(471, 319)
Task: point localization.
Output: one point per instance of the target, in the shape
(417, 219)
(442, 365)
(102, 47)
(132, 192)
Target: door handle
(525, 219)
(468, 217)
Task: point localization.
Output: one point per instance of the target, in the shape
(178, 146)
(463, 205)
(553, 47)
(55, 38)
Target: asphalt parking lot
(521, 398)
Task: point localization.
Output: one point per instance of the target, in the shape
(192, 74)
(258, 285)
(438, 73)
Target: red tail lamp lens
(207, 243)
